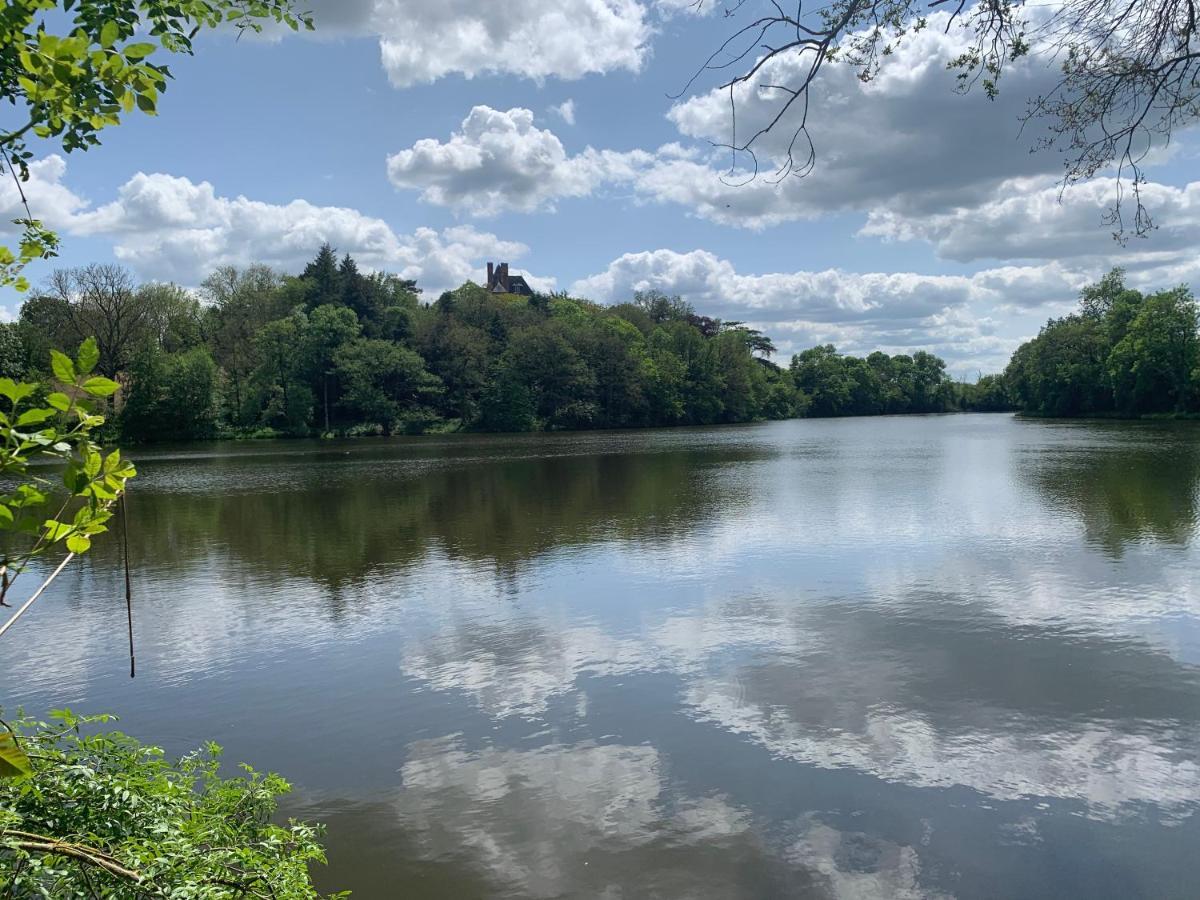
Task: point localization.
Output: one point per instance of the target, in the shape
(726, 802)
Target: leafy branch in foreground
(46, 435)
(103, 816)
(66, 84)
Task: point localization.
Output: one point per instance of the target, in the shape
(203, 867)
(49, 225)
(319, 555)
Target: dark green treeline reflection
(1123, 483)
(335, 519)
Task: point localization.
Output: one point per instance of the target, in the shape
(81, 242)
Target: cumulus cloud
(500, 161)
(172, 228)
(904, 139)
(50, 200)
(420, 42)
(497, 161)
(932, 155)
(1025, 219)
(859, 312)
(828, 296)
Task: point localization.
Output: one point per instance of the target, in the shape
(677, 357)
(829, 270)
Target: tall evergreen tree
(322, 278)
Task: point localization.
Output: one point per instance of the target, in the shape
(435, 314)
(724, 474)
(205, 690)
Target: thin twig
(28, 603)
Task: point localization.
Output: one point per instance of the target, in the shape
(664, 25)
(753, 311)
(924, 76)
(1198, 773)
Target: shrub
(102, 815)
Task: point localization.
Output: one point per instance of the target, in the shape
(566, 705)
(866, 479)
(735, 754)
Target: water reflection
(1124, 482)
(338, 519)
(890, 658)
(604, 820)
(924, 690)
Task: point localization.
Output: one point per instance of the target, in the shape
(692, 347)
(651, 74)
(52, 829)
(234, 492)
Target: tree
(385, 383)
(1130, 72)
(1122, 352)
(1152, 365)
(101, 301)
(14, 362)
(74, 67)
(322, 280)
(1063, 371)
(819, 373)
(558, 379)
(172, 396)
(328, 328)
(462, 357)
(174, 317)
(285, 400)
(241, 303)
(662, 308)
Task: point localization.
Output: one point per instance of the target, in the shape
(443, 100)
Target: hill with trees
(337, 351)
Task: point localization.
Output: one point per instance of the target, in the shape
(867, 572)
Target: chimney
(491, 276)
(504, 276)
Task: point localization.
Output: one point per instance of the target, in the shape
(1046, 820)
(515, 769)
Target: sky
(426, 138)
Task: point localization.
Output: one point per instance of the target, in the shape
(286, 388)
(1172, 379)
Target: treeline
(336, 351)
(1123, 353)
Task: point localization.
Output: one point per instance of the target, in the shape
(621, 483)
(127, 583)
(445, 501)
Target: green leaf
(6, 516)
(64, 369)
(77, 543)
(100, 386)
(13, 761)
(35, 416)
(138, 51)
(145, 103)
(89, 355)
(15, 391)
(109, 34)
(56, 531)
(59, 401)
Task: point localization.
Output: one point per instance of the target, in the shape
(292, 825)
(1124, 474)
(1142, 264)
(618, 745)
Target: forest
(335, 351)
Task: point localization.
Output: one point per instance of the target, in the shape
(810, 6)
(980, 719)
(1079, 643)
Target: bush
(101, 815)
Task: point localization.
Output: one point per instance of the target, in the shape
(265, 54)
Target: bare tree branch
(1130, 74)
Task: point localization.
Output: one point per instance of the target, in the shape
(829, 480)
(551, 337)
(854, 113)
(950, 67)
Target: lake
(952, 656)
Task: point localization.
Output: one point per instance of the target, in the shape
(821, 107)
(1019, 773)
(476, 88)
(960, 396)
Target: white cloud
(565, 111)
(828, 296)
(169, 227)
(950, 315)
(421, 42)
(50, 200)
(1025, 219)
(905, 140)
(498, 161)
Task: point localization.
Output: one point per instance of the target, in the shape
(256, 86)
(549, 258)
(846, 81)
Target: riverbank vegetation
(1124, 353)
(337, 351)
(102, 815)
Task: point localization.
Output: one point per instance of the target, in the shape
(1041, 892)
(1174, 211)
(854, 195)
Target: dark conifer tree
(358, 292)
(321, 275)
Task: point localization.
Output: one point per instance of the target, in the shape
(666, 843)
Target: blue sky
(426, 138)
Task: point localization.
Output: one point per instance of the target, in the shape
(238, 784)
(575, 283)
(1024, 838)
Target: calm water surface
(905, 657)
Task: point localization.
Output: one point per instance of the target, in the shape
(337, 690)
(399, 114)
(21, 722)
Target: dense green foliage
(337, 351)
(103, 816)
(1124, 353)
